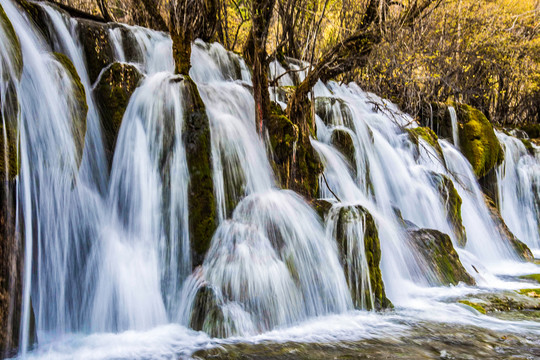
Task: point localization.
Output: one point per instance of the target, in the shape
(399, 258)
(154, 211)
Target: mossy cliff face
(78, 108)
(112, 94)
(438, 254)
(346, 216)
(477, 140)
(519, 247)
(452, 204)
(201, 199)
(283, 136)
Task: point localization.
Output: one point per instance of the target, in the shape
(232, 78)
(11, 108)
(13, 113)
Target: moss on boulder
(283, 136)
(452, 205)
(79, 107)
(11, 43)
(322, 207)
(206, 314)
(112, 94)
(519, 247)
(201, 199)
(474, 305)
(429, 137)
(477, 139)
(347, 215)
(438, 254)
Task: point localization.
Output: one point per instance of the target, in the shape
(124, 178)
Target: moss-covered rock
(112, 94)
(342, 140)
(474, 305)
(201, 199)
(344, 217)
(452, 205)
(438, 254)
(322, 207)
(9, 143)
(38, 16)
(206, 313)
(477, 139)
(429, 137)
(528, 145)
(519, 247)
(533, 277)
(283, 136)
(94, 38)
(532, 130)
(78, 108)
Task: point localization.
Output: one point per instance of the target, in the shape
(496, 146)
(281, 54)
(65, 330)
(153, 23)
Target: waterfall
(107, 241)
(454, 122)
(518, 180)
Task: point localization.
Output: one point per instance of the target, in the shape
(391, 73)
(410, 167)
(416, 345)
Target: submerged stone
(112, 94)
(350, 255)
(477, 140)
(439, 256)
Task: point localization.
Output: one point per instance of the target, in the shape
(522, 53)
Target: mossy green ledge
(477, 140)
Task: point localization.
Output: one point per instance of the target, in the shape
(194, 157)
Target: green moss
(428, 136)
(439, 256)
(201, 199)
(12, 43)
(528, 145)
(452, 204)
(475, 306)
(79, 109)
(322, 207)
(112, 94)
(532, 130)
(477, 139)
(535, 293)
(535, 277)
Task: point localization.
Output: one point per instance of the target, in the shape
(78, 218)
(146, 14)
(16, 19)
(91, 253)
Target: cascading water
(107, 254)
(518, 180)
(454, 122)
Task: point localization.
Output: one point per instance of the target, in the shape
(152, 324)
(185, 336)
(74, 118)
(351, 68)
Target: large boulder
(519, 247)
(343, 141)
(352, 254)
(201, 199)
(439, 256)
(94, 38)
(112, 94)
(283, 136)
(477, 140)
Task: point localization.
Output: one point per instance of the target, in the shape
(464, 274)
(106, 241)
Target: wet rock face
(429, 137)
(11, 264)
(201, 199)
(112, 94)
(283, 135)
(519, 247)
(207, 314)
(94, 38)
(439, 256)
(349, 253)
(477, 140)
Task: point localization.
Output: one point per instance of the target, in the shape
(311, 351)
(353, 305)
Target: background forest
(482, 52)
